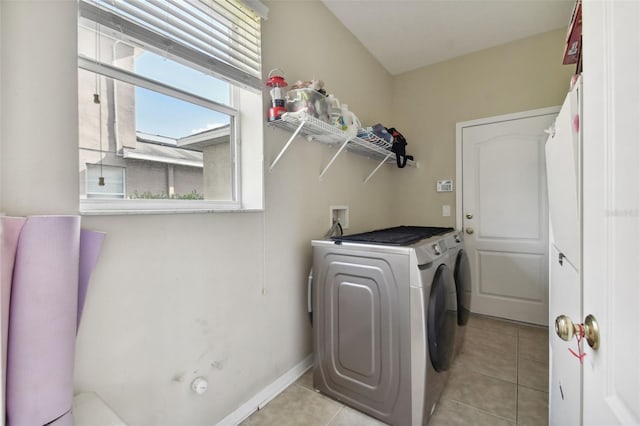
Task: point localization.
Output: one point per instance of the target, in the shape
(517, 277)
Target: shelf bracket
(378, 167)
(342, 147)
(286, 146)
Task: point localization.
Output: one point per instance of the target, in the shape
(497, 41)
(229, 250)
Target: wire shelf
(366, 144)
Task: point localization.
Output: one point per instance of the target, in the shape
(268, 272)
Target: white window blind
(222, 37)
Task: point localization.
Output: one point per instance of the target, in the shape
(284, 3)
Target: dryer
(459, 264)
(385, 320)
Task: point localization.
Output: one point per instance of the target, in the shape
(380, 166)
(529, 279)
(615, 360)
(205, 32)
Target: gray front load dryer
(384, 326)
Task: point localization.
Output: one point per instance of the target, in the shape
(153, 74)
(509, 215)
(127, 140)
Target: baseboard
(263, 397)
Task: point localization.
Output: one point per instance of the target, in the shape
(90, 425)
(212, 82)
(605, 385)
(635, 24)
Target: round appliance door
(442, 319)
(462, 277)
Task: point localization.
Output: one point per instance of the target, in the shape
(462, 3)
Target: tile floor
(499, 378)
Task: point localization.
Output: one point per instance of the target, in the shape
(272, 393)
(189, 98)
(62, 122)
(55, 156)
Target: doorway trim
(479, 122)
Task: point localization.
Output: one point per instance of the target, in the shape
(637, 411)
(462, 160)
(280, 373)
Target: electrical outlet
(446, 210)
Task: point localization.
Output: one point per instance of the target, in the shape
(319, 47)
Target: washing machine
(385, 321)
(459, 264)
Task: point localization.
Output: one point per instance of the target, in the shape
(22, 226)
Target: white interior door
(611, 210)
(504, 214)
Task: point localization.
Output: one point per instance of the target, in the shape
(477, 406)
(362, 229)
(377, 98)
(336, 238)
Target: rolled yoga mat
(10, 228)
(43, 320)
(90, 246)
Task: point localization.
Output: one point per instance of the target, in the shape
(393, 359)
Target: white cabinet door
(564, 368)
(563, 171)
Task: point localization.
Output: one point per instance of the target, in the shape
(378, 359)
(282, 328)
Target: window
(113, 187)
(170, 106)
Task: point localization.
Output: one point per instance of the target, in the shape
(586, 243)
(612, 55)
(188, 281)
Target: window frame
(102, 206)
(90, 206)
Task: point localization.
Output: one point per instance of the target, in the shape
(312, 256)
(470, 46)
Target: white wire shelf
(301, 123)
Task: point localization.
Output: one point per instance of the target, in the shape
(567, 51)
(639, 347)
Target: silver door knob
(566, 329)
(469, 216)
(469, 230)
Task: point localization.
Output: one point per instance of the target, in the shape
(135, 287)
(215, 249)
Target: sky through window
(162, 115)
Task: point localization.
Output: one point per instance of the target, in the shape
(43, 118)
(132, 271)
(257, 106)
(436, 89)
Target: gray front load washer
(384, 326)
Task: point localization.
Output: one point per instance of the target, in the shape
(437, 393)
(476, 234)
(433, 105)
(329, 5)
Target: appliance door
(462, 278)
(442, 318)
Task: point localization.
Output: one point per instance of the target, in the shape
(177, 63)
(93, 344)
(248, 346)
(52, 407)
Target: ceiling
(408, 34)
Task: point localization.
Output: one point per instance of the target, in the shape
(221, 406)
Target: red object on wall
(573, 49)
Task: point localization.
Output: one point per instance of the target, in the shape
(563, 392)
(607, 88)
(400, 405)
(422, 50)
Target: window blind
(220, 36)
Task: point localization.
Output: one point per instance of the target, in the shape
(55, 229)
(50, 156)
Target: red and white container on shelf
(277, 84)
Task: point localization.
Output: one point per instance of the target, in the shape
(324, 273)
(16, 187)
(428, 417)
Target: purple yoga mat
(43, 320)
(10, 230)
(90, 245)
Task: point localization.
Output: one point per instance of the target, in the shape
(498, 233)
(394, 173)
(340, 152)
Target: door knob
(566, 329)
(469, 216)
(469, 231)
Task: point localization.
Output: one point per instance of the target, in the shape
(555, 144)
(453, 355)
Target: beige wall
(306, 41)
(428, 102)
(1, 155)
(39, 108)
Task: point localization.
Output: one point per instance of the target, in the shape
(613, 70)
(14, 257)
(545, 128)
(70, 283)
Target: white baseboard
(263, 397)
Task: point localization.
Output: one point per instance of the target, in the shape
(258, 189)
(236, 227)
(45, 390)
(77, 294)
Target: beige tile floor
(499, 378)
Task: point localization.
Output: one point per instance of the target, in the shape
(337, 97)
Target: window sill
(123, 207)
